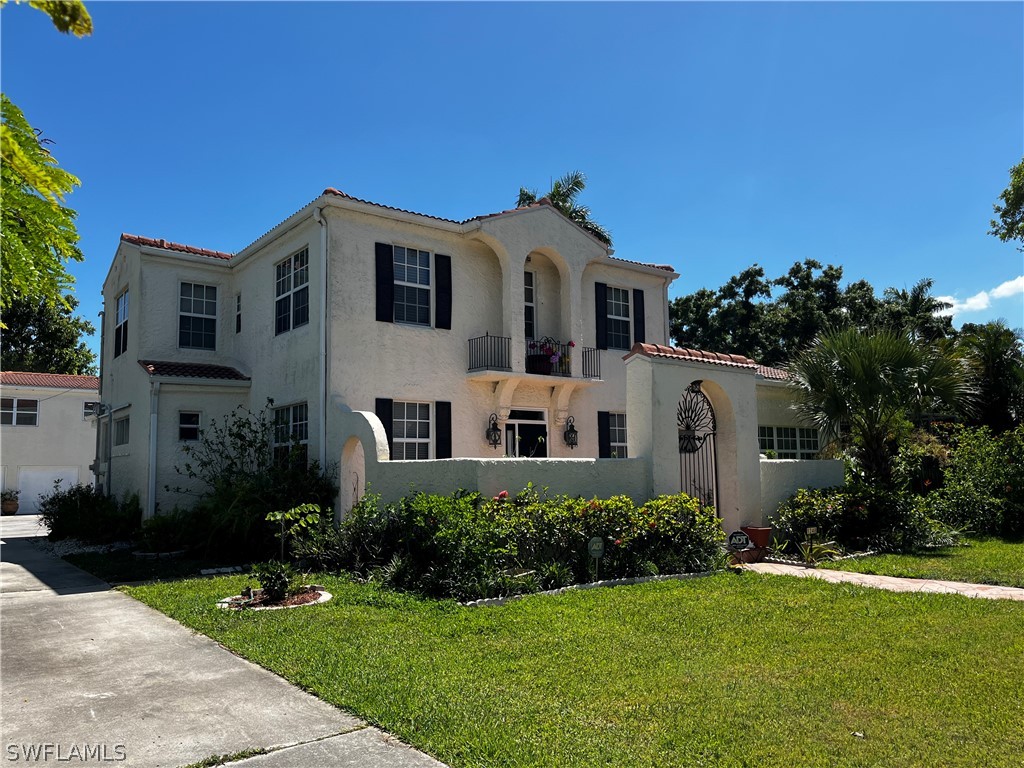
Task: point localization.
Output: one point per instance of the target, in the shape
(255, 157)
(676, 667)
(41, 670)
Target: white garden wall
(781, 478)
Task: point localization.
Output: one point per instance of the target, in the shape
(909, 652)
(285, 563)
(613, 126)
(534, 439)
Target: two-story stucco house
(405, 338)
(47, 432)
(432, 324)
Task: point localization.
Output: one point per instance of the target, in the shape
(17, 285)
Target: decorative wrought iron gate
(698, 465)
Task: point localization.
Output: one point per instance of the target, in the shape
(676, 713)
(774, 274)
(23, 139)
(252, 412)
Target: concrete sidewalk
(84, 666)
(892, 583)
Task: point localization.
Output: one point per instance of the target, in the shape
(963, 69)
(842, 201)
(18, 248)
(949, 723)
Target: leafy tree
(1010, 224)
(862, 389)
(811, 302)
(37, 231)
(563, 196)
(996, 355)
(45, 337)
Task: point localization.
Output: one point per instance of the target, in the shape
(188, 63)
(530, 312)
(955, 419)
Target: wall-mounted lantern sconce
(572, 437)
(493, 432)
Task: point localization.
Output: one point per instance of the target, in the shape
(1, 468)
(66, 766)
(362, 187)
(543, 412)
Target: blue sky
(875, 136)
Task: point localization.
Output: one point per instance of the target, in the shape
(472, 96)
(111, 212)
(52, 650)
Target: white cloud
(983, 300)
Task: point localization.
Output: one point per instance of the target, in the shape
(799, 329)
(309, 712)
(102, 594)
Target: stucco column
(513, 319)
(572, 314)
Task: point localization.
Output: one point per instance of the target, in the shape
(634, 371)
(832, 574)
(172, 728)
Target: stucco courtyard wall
(781, 478)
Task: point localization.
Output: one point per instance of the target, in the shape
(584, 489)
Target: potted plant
(9, 502)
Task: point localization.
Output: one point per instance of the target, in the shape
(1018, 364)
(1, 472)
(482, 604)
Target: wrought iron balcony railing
(545, 357)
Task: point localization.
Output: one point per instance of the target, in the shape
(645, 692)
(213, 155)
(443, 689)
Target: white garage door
(33, 481)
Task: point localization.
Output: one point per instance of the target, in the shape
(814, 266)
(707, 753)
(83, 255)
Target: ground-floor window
(291, 433)
(121, 431)
(526, 434)
(411, 430)
(617, 435)
(789, 442)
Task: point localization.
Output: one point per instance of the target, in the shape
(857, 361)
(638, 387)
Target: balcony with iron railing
(544, 357)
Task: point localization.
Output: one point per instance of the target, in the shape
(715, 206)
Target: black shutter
(604, 435)
(601, 313)
(443, 429)
(443, 313)
(384, 409)
(385, 285)
(639, 318)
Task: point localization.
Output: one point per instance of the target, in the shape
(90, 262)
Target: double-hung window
(197, 316)
(412, 286)
(291, 291)
(19, 412)
(618, 319)
(188, 426)
(121, 324)
(789, 442)
(291, 433)
(411, 430)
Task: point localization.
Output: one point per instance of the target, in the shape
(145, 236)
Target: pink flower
(572, 343)
(618, 542)
(503, 495)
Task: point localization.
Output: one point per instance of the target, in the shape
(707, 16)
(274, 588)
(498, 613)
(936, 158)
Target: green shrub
(241, 482)
(81, 512)
(857, 517)
(468, 547)
(984, 482)
(920, 463)
(170, 531)
(277, 579)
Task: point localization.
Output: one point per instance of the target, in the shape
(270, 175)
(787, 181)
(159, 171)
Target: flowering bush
(549, 347)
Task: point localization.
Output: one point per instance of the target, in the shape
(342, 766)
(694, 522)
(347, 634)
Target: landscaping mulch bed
(255, 598)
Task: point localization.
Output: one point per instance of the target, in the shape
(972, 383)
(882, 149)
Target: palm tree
(917, 311)
(995, 353)
(563, 196)
(862, 389)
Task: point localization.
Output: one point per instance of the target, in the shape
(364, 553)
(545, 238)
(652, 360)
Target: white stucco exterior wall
(781, 478)
(63, 440)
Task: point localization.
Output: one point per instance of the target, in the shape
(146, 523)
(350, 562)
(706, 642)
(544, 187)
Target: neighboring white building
(430, 325)
(47, 432)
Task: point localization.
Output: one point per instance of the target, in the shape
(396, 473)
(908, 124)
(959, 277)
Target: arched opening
(351, 477)
(697, 428)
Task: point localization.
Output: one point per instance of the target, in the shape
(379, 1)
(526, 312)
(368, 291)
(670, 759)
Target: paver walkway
(84, 666)
(892, 583)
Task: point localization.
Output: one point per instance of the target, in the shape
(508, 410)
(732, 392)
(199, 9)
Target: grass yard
(730, 670)
(983, 561)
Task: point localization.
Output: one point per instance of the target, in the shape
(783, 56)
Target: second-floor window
(19, 412)
(188, 426)
(412, 286)
(197, 316)
(618, 319)
(122, 431)
(291, 292)
(121, 324)
(530, 304)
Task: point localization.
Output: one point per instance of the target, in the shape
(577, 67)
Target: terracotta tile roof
(776, 374)
(191, 370)
(339, 193)
(49, 380)
(181, 248)
(696, 355)
(666, 267)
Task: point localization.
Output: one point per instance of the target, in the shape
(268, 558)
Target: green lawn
(729, 670)
(982, 561)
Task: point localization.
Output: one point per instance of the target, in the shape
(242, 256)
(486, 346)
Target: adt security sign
(596, 547)
(739, 540)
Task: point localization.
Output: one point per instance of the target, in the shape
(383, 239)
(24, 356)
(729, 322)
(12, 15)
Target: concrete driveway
(88, 671)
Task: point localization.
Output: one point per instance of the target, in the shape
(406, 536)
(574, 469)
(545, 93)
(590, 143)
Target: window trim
(16, 411)
(613, 318)
(429, 287)
(768, 439)
(121, 323)
(238, 312)
(282, 448)
(118, 442)
(619, 450)
(289, 295)
(431, 422)
(193, 314)
(530, 303)
(198, 426)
